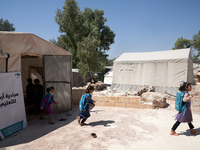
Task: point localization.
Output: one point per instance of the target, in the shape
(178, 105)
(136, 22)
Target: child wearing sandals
(185, 116)
(86, 99)
(46, 104)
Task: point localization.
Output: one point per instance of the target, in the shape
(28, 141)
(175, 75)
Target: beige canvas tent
(162, 69)
(38, 58)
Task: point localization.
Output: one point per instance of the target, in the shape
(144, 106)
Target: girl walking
(46, 103)
(86, 99)
(185, 116)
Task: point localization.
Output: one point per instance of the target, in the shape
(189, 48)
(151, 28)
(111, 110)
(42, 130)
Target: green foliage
(86, 36)
(90, 58)
(6, 26)
(196, 41)
(182, 43)
(109, 62)
(194, 44)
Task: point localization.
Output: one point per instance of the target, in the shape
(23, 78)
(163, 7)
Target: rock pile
(158, 100)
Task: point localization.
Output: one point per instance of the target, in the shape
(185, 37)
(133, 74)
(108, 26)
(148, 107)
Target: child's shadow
(188, 133)
(101, 122)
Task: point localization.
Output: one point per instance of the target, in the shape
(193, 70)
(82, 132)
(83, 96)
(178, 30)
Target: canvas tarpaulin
(26, 44)
(163, 69)
(27, 52)
(59, 79)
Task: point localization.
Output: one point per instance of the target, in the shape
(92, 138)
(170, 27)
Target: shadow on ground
(102, 122)
(38, 128)
(187, 133)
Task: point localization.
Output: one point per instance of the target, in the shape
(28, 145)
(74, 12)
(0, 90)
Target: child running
(186, 114)
(46, 103)
(84, 106)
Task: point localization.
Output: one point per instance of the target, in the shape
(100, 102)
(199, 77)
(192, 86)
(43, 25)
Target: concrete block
(124, 99)
(100, 98)
(143, 106)
(131, 105)
(98, 103)
(138, 106)
(108, 104)
(135, 99)
(113, 99)
(120, 104)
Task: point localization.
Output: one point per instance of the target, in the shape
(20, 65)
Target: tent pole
(8, 56)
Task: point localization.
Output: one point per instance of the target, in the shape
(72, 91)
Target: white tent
(37, 58)
(162, 69)
(108, 77)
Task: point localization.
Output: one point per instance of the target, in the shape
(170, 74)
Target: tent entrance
(57, 74)
(31, 67)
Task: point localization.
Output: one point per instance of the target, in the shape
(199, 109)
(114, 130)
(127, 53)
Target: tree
(196, 41)
(6, 25)
(86, 36)
(194, 44)
(182, 43)
(109, 62)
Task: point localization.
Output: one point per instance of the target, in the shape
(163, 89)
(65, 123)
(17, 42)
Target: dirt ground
(116, 129)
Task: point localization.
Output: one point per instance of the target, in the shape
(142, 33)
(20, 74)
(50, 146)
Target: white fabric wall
(164, 74)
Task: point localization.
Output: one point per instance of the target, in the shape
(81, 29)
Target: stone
(100, 87)
(195, 102)
(120, 104)
(195, 90)
(157, 99)
(124, 99)
(143, 89)
(113, 99)
(198, 75)
(135, 99)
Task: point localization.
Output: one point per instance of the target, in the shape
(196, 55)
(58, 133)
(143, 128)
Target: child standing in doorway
(46, 103)
(38, 94)
(30, 91)
(86, 99)
(186, 114)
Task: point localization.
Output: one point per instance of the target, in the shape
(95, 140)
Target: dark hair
(90, 88)
(183, 86)
(49, 88)
(29, 80)
(36, 81)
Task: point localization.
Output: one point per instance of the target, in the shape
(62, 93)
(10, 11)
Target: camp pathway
(116, 129)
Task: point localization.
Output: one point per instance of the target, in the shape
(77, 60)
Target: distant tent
(108, 77)
(163, 69)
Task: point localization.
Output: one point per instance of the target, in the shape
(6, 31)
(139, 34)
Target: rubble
(143, 89)
(158, 99)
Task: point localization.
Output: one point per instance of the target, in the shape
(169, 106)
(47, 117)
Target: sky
(139, 25)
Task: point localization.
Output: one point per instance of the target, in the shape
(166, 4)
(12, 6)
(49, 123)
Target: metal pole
(8, 56)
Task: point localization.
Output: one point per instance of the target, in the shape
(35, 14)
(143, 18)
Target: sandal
(194, 132)
(62, 119)
(93, 135)
(174, 133)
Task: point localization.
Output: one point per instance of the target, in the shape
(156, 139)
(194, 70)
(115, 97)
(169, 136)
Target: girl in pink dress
(46, 103)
